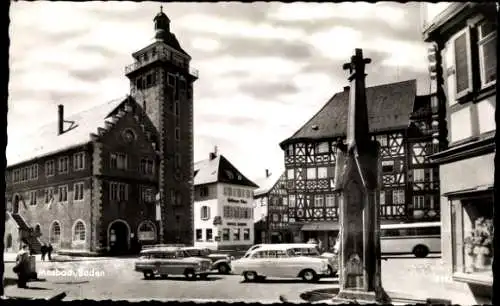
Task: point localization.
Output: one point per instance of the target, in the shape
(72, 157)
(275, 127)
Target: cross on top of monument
(357, 64)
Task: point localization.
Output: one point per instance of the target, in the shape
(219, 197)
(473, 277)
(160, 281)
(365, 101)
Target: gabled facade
(396, 114)
(77, 187)
(463, 62)
(89, 182)
(271, 210)
(223, 207)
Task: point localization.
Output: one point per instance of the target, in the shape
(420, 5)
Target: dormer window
(229, 174)
(315, 127)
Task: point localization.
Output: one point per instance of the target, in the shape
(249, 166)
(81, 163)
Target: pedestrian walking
(49, 251)
(22, 267)
(43, 250)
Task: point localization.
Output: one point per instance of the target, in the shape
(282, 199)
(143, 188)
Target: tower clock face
(128, 135)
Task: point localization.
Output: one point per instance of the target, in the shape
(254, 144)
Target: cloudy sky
(265, 68)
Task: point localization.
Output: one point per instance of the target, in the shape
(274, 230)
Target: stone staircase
(27, 234)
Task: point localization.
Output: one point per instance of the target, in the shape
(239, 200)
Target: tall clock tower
(161, 81)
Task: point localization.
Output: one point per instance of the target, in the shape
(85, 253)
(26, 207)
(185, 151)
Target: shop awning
(321, 226)
(473, 192)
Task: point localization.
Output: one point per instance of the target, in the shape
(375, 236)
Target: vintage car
(220, 262)
(279, 261)
(310, 250)
(166, 261)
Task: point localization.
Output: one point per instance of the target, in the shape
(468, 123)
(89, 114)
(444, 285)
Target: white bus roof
(410, 225)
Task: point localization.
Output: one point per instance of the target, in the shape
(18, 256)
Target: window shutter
(463, 77)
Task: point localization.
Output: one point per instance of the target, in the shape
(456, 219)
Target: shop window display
(473, 241)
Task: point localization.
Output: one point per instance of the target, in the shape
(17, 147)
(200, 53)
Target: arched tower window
(55, 233)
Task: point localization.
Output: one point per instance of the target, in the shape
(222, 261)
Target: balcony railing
(162, 55)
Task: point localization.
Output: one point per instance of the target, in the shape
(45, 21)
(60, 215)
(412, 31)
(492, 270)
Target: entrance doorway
(119, 237)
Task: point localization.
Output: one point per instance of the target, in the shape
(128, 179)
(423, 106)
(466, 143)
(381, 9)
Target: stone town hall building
(89, 181)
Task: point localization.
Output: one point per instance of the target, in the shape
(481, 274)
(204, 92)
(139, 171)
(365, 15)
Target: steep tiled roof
(389, 108)
(206, 171)
(216, 170)
(46, 141)
(266, 184)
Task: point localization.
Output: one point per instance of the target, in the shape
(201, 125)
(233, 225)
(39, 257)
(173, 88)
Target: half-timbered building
(463, 67)
(270, 209)
(407, 127)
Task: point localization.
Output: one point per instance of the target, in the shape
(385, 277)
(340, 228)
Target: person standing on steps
(49, 251)
(43, 250)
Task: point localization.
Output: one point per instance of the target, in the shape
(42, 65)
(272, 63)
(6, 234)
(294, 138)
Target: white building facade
(223, 206)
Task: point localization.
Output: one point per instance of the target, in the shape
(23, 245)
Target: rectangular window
(418, 175)
(209, 234)
(204, 191)
(291, 200)
(322, 148)
(388, 166)
(177, 133)
(147, 166)
(487, 43)
(418, 202)
(311, 173)
(177, 108)
(319, 200)
(322, 172)
(33, 199)
(246, 234)
(382, 197)
(79, 161)
(118, 191)
(462, 64)
(290, 174)
(236, 234)
(122, 192)
(50, 168)
(35, 172)
(147, 195)
(225, 234)
(382, 139)
(121, 161)
(63, 193)
(113, 161)
(398, 196)
(78, 191)
(330, 200)
(49, 194)
(63, 164)
(199, 234)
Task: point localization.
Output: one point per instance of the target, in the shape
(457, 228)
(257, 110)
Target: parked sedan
(220, 261)
(279, 261)
(166, 261)
(309, 250)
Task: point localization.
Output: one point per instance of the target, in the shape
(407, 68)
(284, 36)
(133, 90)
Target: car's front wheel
(148, 274)
(309, 275)
(189, 274)
(250, 276)
(223, 268)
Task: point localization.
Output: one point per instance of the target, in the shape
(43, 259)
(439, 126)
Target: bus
(419, 239)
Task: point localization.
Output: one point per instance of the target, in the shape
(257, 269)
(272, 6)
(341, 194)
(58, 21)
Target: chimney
(346, 88)
(60, 119)
(213, 154)
(268, 174)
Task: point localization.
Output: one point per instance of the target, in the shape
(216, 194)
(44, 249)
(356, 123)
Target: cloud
(205, 44)
(301, 11)
(262, 89)
(237, 28)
